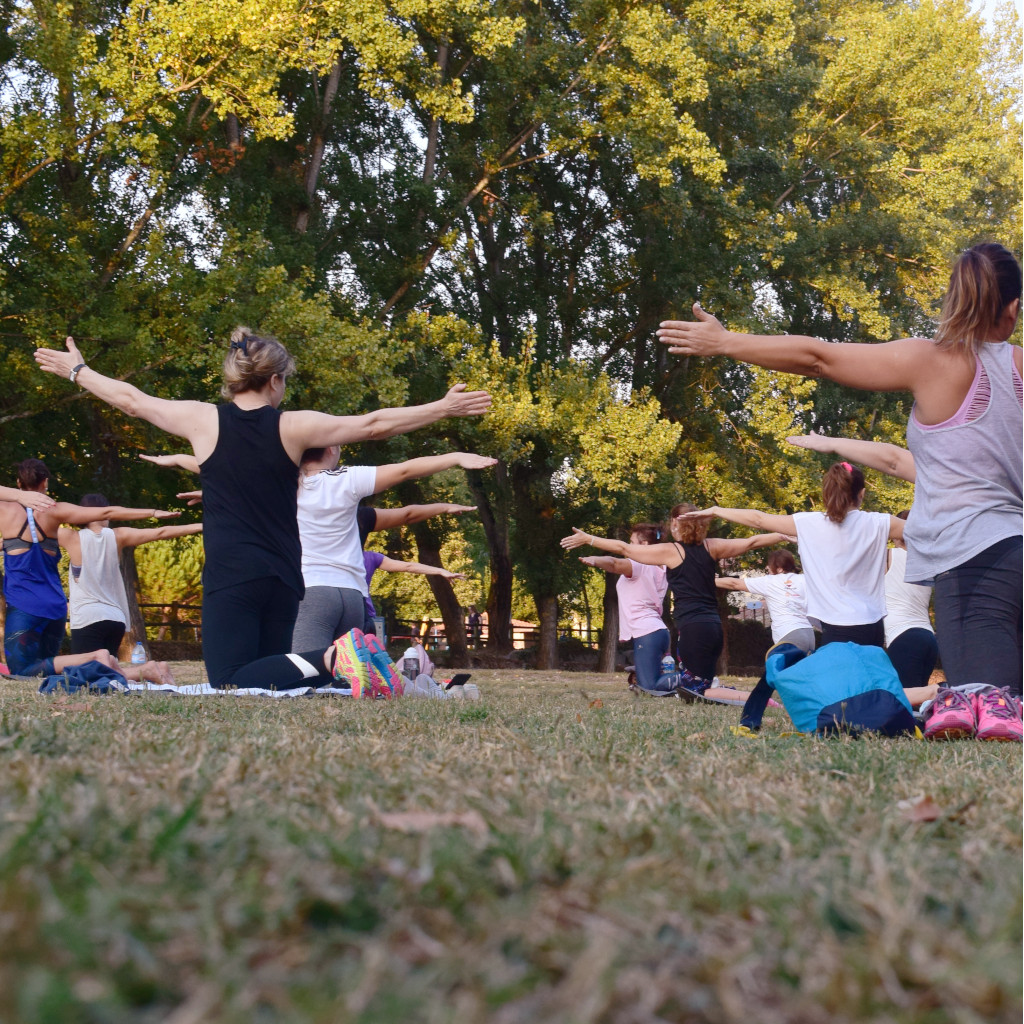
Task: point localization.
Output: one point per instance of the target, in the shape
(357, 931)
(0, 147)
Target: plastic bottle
(139, 654)
(668, 665)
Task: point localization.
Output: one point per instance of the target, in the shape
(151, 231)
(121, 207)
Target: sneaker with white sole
(950, 716)
(999, 716)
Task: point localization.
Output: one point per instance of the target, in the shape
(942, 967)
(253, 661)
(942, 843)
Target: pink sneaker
(998, 716)
(951, 716)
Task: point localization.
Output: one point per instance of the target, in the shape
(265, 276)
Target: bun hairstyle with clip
(841, 489)
(984, 281)
(251, 362)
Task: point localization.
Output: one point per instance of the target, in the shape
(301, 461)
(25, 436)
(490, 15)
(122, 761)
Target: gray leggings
(325, 613)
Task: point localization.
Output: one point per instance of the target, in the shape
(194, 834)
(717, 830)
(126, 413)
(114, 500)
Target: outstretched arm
(649, 554)
(415, 469)
(389, 518)
(731, 583)
(893, 366)
(730, 547)
(127, 537)
(880, 455)
(79, 515)
(35, 500)
(179, 461)
(749, 517)
(308, 429)
(394, 565)
(195, 420)
(620, 566)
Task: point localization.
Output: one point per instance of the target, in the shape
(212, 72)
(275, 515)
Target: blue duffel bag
(841, 687)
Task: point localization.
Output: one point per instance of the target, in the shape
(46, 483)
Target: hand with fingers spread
(460, 402)
(162, 514)
(60, 363)
(812, 441)
(703, 337)
(577, 539)
(192, 497)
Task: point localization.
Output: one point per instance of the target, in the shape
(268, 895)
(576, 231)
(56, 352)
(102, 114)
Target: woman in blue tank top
(36, 606)
(248, 452)
(965, 433)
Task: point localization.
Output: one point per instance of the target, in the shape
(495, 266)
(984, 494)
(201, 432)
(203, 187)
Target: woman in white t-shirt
(785, 595)
(641, 591)
(842, 551)
(332, 552)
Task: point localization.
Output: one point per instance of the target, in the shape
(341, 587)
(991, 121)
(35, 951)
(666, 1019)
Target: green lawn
(559, 851)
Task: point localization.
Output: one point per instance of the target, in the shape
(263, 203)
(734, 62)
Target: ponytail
(840, 488)
(985, 280)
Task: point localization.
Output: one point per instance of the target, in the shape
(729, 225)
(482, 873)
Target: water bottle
(139, 654)
(668, 665)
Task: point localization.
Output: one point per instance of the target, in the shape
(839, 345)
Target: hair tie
(846, 466)
(243, 345)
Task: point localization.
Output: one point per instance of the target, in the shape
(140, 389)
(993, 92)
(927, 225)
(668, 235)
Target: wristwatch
(75, 372)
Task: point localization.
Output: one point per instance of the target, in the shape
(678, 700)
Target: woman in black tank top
(248, 453)
(690, 559)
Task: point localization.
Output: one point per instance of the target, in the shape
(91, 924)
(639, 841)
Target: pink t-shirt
(641, 597)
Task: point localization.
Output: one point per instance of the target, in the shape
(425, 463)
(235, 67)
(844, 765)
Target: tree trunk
(316, 150)
(547, 650)
(429, 553)
(136, 626)
(494, 520)
(610, 631)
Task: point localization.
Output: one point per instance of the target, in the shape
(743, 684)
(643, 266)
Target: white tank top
(906, 604)
(98, 594)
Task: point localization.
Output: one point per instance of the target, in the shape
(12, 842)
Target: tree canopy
(515, 194)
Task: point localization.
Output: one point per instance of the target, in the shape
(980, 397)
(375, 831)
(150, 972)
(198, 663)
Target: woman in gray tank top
(965, 431)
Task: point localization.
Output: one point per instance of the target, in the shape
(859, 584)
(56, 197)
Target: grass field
(559, 851)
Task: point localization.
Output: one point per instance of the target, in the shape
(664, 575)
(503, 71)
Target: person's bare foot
(151, 672)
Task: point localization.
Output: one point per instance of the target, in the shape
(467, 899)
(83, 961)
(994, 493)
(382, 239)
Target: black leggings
(913, 654)
(871, 634)
(97, 636)
(699, 644)
(978, 617)
(247, 634)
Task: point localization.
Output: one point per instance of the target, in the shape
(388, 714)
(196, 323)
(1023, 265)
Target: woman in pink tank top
(964, 532)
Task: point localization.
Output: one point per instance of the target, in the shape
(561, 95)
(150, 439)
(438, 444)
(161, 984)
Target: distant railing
(182, 621)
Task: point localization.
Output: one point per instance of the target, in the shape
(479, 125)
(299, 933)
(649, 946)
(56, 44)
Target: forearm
(756, 519)
(117, 393)
(417, 513)
(609, 563)
(172, 532)
(413, 469)
(614, 547)
(886, 458)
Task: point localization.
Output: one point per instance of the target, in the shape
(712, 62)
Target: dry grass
(561, 851)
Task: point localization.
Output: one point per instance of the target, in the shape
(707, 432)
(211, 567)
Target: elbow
(375, 428)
